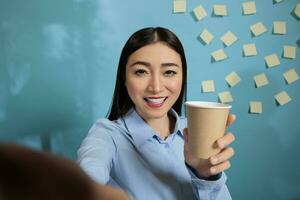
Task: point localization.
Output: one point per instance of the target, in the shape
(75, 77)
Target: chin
(156, 114)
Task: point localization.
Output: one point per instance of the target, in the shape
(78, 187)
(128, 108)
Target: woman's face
(154, 79)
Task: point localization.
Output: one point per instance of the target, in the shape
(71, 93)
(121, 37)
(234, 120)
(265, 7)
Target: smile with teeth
(155, 102)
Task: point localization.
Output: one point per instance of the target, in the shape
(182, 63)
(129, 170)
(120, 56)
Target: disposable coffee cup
(206, 124)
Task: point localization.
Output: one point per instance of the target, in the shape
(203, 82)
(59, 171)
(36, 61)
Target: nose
(155, 84)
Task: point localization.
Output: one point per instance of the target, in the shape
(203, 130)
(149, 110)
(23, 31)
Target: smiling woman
(153, 82)
(140, 147)
(133, 47)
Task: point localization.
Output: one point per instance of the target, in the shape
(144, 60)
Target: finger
(231, 118)
(224, 155)
(219, 168)
(225, 140)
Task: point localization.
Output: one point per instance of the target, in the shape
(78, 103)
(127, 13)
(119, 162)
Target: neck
(163, 126)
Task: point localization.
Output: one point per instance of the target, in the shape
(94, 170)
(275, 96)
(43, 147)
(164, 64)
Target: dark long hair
(122, 103)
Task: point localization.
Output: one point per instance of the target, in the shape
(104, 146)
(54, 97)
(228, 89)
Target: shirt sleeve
(95, 155)
(210, 189)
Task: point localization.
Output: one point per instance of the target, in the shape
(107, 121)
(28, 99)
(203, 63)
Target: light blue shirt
(127, 153)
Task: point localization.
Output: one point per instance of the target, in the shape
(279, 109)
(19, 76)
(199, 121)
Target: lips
(155, 102)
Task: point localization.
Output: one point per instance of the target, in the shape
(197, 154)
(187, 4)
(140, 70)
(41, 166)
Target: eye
(170, 73)
(140, 72)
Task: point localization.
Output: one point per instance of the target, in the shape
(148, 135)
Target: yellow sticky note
(229, 38)
(272, 60)
(206, 36)
(261, 80)
(219, 55)
(282, 98)
(289, 52)
(179, 6)
(291, 76)
(279, 27)
(258, 29)
(232, 79)
(225, 97)
(199, 12)
(297, 10)
(249, 8)
(208, 86)
(220, 10)
(249, 49)
(255, 107)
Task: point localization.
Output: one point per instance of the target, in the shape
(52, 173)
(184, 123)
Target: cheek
(175, 86)
(134, 89)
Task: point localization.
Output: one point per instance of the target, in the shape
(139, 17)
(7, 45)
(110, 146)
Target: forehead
(155, 52)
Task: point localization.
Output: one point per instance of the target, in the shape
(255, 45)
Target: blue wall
(57, 70)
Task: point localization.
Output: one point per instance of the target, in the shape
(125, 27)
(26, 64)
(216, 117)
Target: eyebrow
(146, 64)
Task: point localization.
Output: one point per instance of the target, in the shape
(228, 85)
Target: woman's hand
(216, 163)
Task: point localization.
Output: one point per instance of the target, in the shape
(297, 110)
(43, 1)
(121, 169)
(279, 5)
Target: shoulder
(106, 125)
(102, 134)
(103, 123)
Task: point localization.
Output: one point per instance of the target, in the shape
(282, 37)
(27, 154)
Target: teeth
(158, 100)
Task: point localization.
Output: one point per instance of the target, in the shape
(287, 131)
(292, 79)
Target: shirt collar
(140, 131)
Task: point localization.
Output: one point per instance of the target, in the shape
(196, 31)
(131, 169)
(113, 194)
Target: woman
(141, 147)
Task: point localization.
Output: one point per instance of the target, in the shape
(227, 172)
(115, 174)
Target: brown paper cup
(206, 124)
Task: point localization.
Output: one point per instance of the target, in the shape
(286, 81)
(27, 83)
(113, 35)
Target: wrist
(209, 178)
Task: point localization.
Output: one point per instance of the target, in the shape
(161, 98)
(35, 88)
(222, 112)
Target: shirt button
(167, 145)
